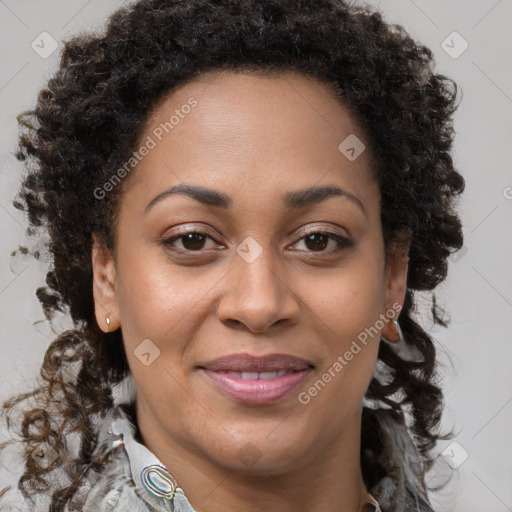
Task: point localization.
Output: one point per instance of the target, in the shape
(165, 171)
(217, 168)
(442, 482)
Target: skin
(253, 138)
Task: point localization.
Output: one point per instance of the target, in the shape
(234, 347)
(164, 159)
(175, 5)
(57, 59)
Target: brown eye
(317, 241)
(191, 241)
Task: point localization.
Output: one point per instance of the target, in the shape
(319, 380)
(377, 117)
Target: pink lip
(257, 391)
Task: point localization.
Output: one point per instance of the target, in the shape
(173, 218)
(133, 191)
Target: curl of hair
(87, 122)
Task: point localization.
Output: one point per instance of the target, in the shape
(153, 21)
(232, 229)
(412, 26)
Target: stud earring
(108, 322)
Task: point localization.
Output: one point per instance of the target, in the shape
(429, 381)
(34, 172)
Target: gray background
(476, 349)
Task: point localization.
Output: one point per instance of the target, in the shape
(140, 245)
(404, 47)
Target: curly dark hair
(89, 118)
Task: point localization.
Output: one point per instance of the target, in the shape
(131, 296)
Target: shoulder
(107, 483)
(131, 478)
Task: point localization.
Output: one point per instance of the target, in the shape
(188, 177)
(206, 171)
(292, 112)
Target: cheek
(348, 306)
(156, 299)
(164, 304)
(356, 303)
(350, 299)
(351, 346)
(156, 307)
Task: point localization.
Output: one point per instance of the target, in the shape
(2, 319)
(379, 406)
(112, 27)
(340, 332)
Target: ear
(396, 281)
(104, 286)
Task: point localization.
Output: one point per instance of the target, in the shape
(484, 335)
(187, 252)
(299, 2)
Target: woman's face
(271, 270)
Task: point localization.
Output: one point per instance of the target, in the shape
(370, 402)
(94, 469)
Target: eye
(191, 240)
(317, 241)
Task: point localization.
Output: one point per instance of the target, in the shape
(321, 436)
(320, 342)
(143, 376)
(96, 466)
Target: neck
(328, 480)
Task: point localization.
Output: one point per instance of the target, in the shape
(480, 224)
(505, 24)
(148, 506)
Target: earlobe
(104, 287)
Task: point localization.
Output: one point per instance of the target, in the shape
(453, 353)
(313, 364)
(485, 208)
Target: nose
(258, 295)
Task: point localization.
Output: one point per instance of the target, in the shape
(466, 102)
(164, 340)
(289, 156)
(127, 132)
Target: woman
(242, 198)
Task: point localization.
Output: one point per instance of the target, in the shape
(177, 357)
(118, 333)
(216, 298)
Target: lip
(256, 391)
(245, 362)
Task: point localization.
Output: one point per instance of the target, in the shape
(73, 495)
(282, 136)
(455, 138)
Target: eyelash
(343, 243)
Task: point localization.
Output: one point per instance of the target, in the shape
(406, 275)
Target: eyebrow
(293, 200)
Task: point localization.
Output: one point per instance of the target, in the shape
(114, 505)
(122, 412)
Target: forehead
(238, 104)
(255, 130)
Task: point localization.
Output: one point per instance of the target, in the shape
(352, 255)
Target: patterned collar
(142, 475)
(149, 474)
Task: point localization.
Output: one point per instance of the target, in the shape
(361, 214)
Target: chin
(260, 455)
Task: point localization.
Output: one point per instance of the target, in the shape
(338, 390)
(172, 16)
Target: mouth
(256, 379)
